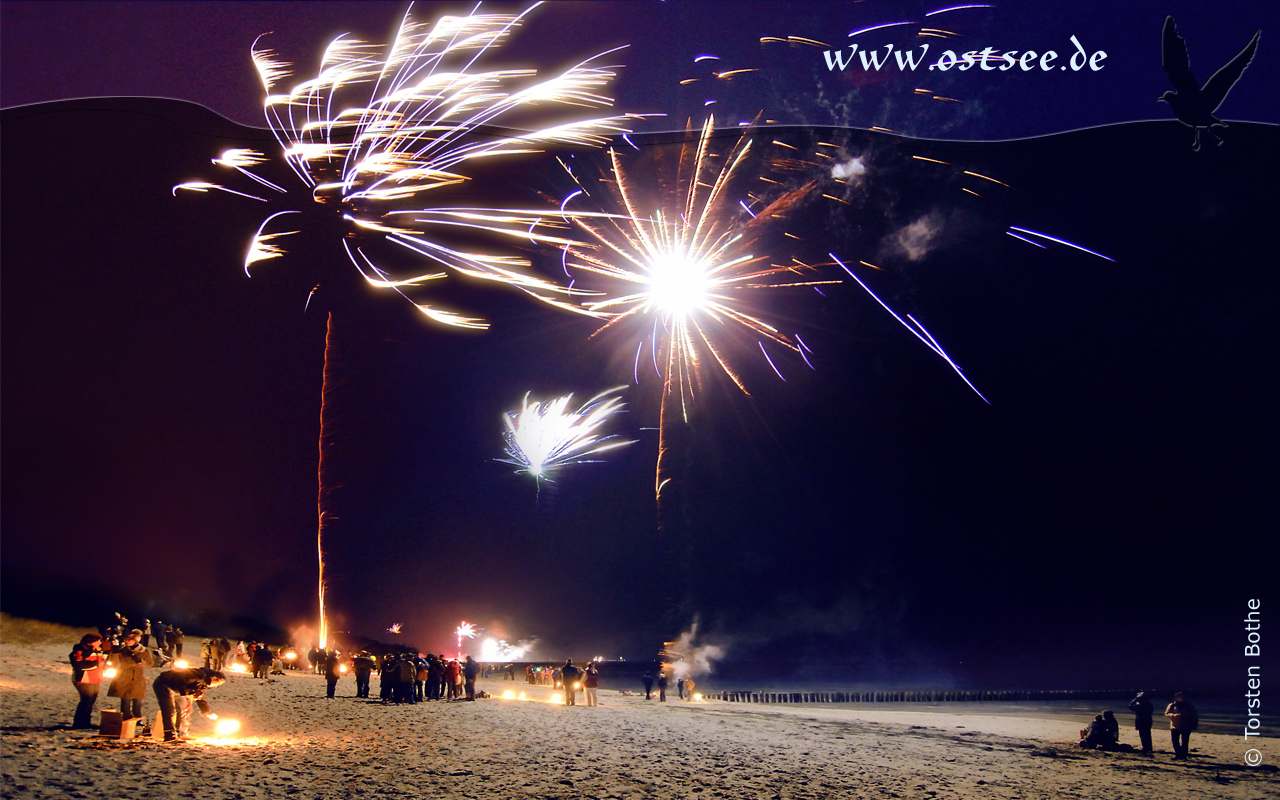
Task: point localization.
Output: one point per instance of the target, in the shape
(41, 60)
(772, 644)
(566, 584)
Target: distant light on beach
(556, 698)
(180, 664)
(238, 668)
(110, 673)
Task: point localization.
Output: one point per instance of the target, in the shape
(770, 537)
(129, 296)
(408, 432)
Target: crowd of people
(404, 677)
(121, 655)
(1103, 732)
(122, 659)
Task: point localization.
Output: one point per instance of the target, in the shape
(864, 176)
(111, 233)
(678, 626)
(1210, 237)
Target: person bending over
(175, 691)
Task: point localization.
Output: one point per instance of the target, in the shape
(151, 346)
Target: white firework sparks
(544, 437)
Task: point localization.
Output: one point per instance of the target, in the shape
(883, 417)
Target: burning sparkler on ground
(544, 437)
(384, 132)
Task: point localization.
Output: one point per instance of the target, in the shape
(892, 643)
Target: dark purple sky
(199, 51)
(873, 517)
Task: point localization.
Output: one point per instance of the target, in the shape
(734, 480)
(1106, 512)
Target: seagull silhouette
(1192, 103)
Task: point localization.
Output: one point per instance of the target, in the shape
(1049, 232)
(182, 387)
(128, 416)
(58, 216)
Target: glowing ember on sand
(226, 727)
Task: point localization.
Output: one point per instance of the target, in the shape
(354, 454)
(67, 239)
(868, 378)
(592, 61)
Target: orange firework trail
(383, 133)
(680, 266)
(323, 498)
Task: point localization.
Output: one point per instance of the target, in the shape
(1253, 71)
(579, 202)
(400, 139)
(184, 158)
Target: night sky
(1100, 522)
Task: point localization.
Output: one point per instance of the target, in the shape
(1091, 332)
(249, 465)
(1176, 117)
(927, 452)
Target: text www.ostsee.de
(987, 59)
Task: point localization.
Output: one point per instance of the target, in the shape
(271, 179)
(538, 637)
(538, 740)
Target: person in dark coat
(130, 682)
(363, 665)
(406, 673)
(435, 677)
(1142, 716)
(1183, 719)
(470, 669)
(332, 671)
(387, 677)
(662, 684)
(1113, 725)
(176, 689)
(647, 680)
(261, 659)
(570, 675)
(87, 660)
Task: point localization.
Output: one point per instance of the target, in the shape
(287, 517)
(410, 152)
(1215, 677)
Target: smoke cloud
(918, 239)
(691, 656)
(853, 168)
(493, 650)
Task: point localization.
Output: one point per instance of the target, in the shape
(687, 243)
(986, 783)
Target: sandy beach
(295, 742)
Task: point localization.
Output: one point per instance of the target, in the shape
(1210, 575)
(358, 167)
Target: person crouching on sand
(1098, 734)
(176, 689)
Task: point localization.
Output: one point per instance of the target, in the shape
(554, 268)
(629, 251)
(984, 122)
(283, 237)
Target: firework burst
(465, 630)
(544, 437)
(681, 270)
(383, 132)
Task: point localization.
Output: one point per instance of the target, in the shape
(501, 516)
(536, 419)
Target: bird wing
(1173, 57)
(1216, 88)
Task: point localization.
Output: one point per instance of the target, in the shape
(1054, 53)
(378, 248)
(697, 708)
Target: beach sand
(295, 742)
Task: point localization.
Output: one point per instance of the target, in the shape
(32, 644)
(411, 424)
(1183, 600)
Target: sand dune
(295, 742)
